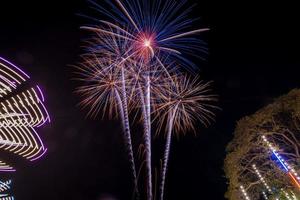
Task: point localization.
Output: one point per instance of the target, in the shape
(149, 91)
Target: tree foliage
(280, 123)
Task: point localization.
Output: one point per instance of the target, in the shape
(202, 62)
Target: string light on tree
(287, 168)
(261, 178)
(5, 167)
(4, 188)
(265, 196)
(244, 192)
(142, 41)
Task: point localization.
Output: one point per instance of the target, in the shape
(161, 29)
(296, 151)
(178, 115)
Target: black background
(253, 57)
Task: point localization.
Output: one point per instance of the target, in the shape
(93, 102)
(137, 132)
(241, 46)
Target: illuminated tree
(269, 140)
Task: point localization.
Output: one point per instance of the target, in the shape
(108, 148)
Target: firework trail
(22, 111)
(127, 130)
(106, 90)
(4, 188)
(180, 105)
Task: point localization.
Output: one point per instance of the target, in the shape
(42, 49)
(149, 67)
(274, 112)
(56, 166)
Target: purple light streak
(15, 67)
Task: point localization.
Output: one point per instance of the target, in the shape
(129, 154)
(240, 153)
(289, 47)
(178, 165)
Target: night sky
(253, 58)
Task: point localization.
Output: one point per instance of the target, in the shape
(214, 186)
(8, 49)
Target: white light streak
(244, 192)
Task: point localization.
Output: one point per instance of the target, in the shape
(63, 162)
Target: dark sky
(253, 57)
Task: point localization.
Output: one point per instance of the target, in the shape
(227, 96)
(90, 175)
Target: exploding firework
(154, 29)
(135, 53)
(22, 111)
(105, 89)
(181, 104)
(262, 180)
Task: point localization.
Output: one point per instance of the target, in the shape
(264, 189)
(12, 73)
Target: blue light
(284, 166)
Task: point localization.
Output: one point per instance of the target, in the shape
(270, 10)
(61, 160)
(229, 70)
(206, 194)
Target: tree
(279, 122)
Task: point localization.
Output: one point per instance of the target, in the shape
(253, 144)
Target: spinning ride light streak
(287, 168)
(5, 167)
(4, 187)
(22, 111)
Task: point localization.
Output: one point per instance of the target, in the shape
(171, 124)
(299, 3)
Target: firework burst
(105, 89)
(190, 101)
(101, 87)
(131, 62)
(180, 105)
